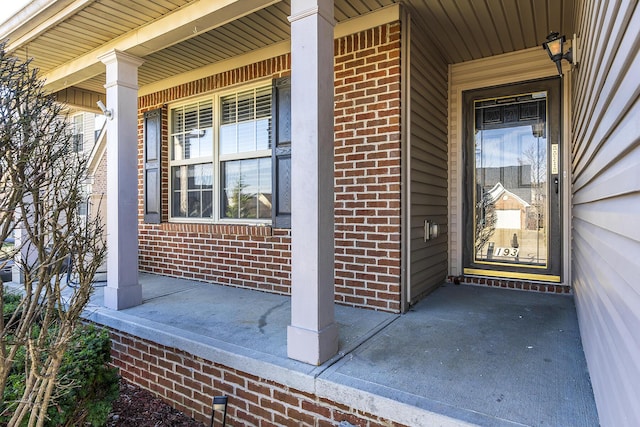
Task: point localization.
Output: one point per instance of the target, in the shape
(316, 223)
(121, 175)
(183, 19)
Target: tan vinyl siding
(428, 161)
(606, 204)
(513, 67)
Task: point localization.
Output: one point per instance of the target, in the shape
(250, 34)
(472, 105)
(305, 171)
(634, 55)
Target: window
(78, 133)
(245, 156)
(83, 206)
(229, 158)
(191, 160)
(220, 157)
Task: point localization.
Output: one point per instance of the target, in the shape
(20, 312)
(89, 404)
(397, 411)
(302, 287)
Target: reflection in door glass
(511, 200)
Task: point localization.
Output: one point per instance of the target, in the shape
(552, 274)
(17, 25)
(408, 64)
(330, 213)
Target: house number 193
(507, 252)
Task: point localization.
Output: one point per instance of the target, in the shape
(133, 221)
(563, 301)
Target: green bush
(88, 385)
(11, 302)
(93, 383)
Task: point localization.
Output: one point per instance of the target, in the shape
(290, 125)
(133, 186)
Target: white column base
(123, 296)
(312, 347)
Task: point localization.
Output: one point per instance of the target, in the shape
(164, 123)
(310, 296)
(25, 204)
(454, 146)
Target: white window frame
(216, 159)
(74, 124)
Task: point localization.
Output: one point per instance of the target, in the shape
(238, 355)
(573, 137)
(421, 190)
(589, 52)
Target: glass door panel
(511, 180)
(512, 191)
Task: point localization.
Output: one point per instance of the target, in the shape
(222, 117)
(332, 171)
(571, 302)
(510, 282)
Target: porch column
(122, 290)
(312, 336)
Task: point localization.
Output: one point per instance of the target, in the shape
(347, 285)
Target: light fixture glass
(554, 47)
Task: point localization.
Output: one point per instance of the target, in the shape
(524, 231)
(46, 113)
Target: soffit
(90, 25)
(466, 30)
(97, 22)
(463, 30)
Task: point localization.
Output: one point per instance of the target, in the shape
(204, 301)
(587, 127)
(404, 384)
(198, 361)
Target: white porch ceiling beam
(198, 17)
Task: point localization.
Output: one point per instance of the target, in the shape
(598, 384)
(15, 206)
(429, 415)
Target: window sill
(219, 229)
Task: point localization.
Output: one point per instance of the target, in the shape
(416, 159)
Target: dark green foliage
(93, 383)
(88, 385)
(11, 302)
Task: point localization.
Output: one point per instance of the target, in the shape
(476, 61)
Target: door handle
(555, 181)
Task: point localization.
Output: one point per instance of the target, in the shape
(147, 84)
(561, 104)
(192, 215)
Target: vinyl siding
(427, 160)
(89, 138)
(606, 204)
(513, 67)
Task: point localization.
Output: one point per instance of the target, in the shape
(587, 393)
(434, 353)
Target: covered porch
(464, 356)
(485, 366)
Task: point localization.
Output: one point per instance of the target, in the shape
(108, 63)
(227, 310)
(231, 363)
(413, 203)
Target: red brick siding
(98, 200)
(188, 383)
(99, 185)
(254, 257)
(367, 178)
(367, 168)
(244, 256)
(523, 285)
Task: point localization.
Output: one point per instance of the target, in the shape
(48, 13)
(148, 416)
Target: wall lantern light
(554, 47)
(430, 230)
(108, 113)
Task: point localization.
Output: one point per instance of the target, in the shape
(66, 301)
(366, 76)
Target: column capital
(120, 56)
(301, 9)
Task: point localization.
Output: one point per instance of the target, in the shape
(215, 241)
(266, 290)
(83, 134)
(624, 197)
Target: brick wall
(188, 383)
(98, 197)
(367, 168)
(99, 185)
(244, 256)
(523, 285)
(256, 257)
(367, 177)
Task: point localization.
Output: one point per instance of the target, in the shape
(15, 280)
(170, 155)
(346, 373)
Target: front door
(512, 181)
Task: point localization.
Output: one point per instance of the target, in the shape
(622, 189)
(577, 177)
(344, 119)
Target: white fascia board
(198, 17)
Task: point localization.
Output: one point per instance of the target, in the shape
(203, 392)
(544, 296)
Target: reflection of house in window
(511, 210)
(516, 178)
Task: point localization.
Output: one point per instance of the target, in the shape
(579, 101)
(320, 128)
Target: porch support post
(122, 290)
(312, 336)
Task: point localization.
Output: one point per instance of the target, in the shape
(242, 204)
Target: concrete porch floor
(463, 356)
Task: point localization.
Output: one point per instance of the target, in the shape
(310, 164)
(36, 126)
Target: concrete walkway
(463, 356)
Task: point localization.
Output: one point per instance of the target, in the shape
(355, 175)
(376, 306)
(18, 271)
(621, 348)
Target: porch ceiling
(56, 34)
(473, 29)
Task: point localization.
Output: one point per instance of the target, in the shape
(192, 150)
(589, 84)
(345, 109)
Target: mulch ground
(137, 407)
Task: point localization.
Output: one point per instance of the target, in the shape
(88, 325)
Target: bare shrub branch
(41, 190)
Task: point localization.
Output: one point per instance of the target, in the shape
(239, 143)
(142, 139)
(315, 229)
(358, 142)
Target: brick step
(523, 285)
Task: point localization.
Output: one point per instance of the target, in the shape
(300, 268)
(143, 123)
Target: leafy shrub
(11, 302)
(88, 385)
(94, 384)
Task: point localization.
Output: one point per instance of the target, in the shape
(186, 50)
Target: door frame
(552, 272)
(513, 67)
